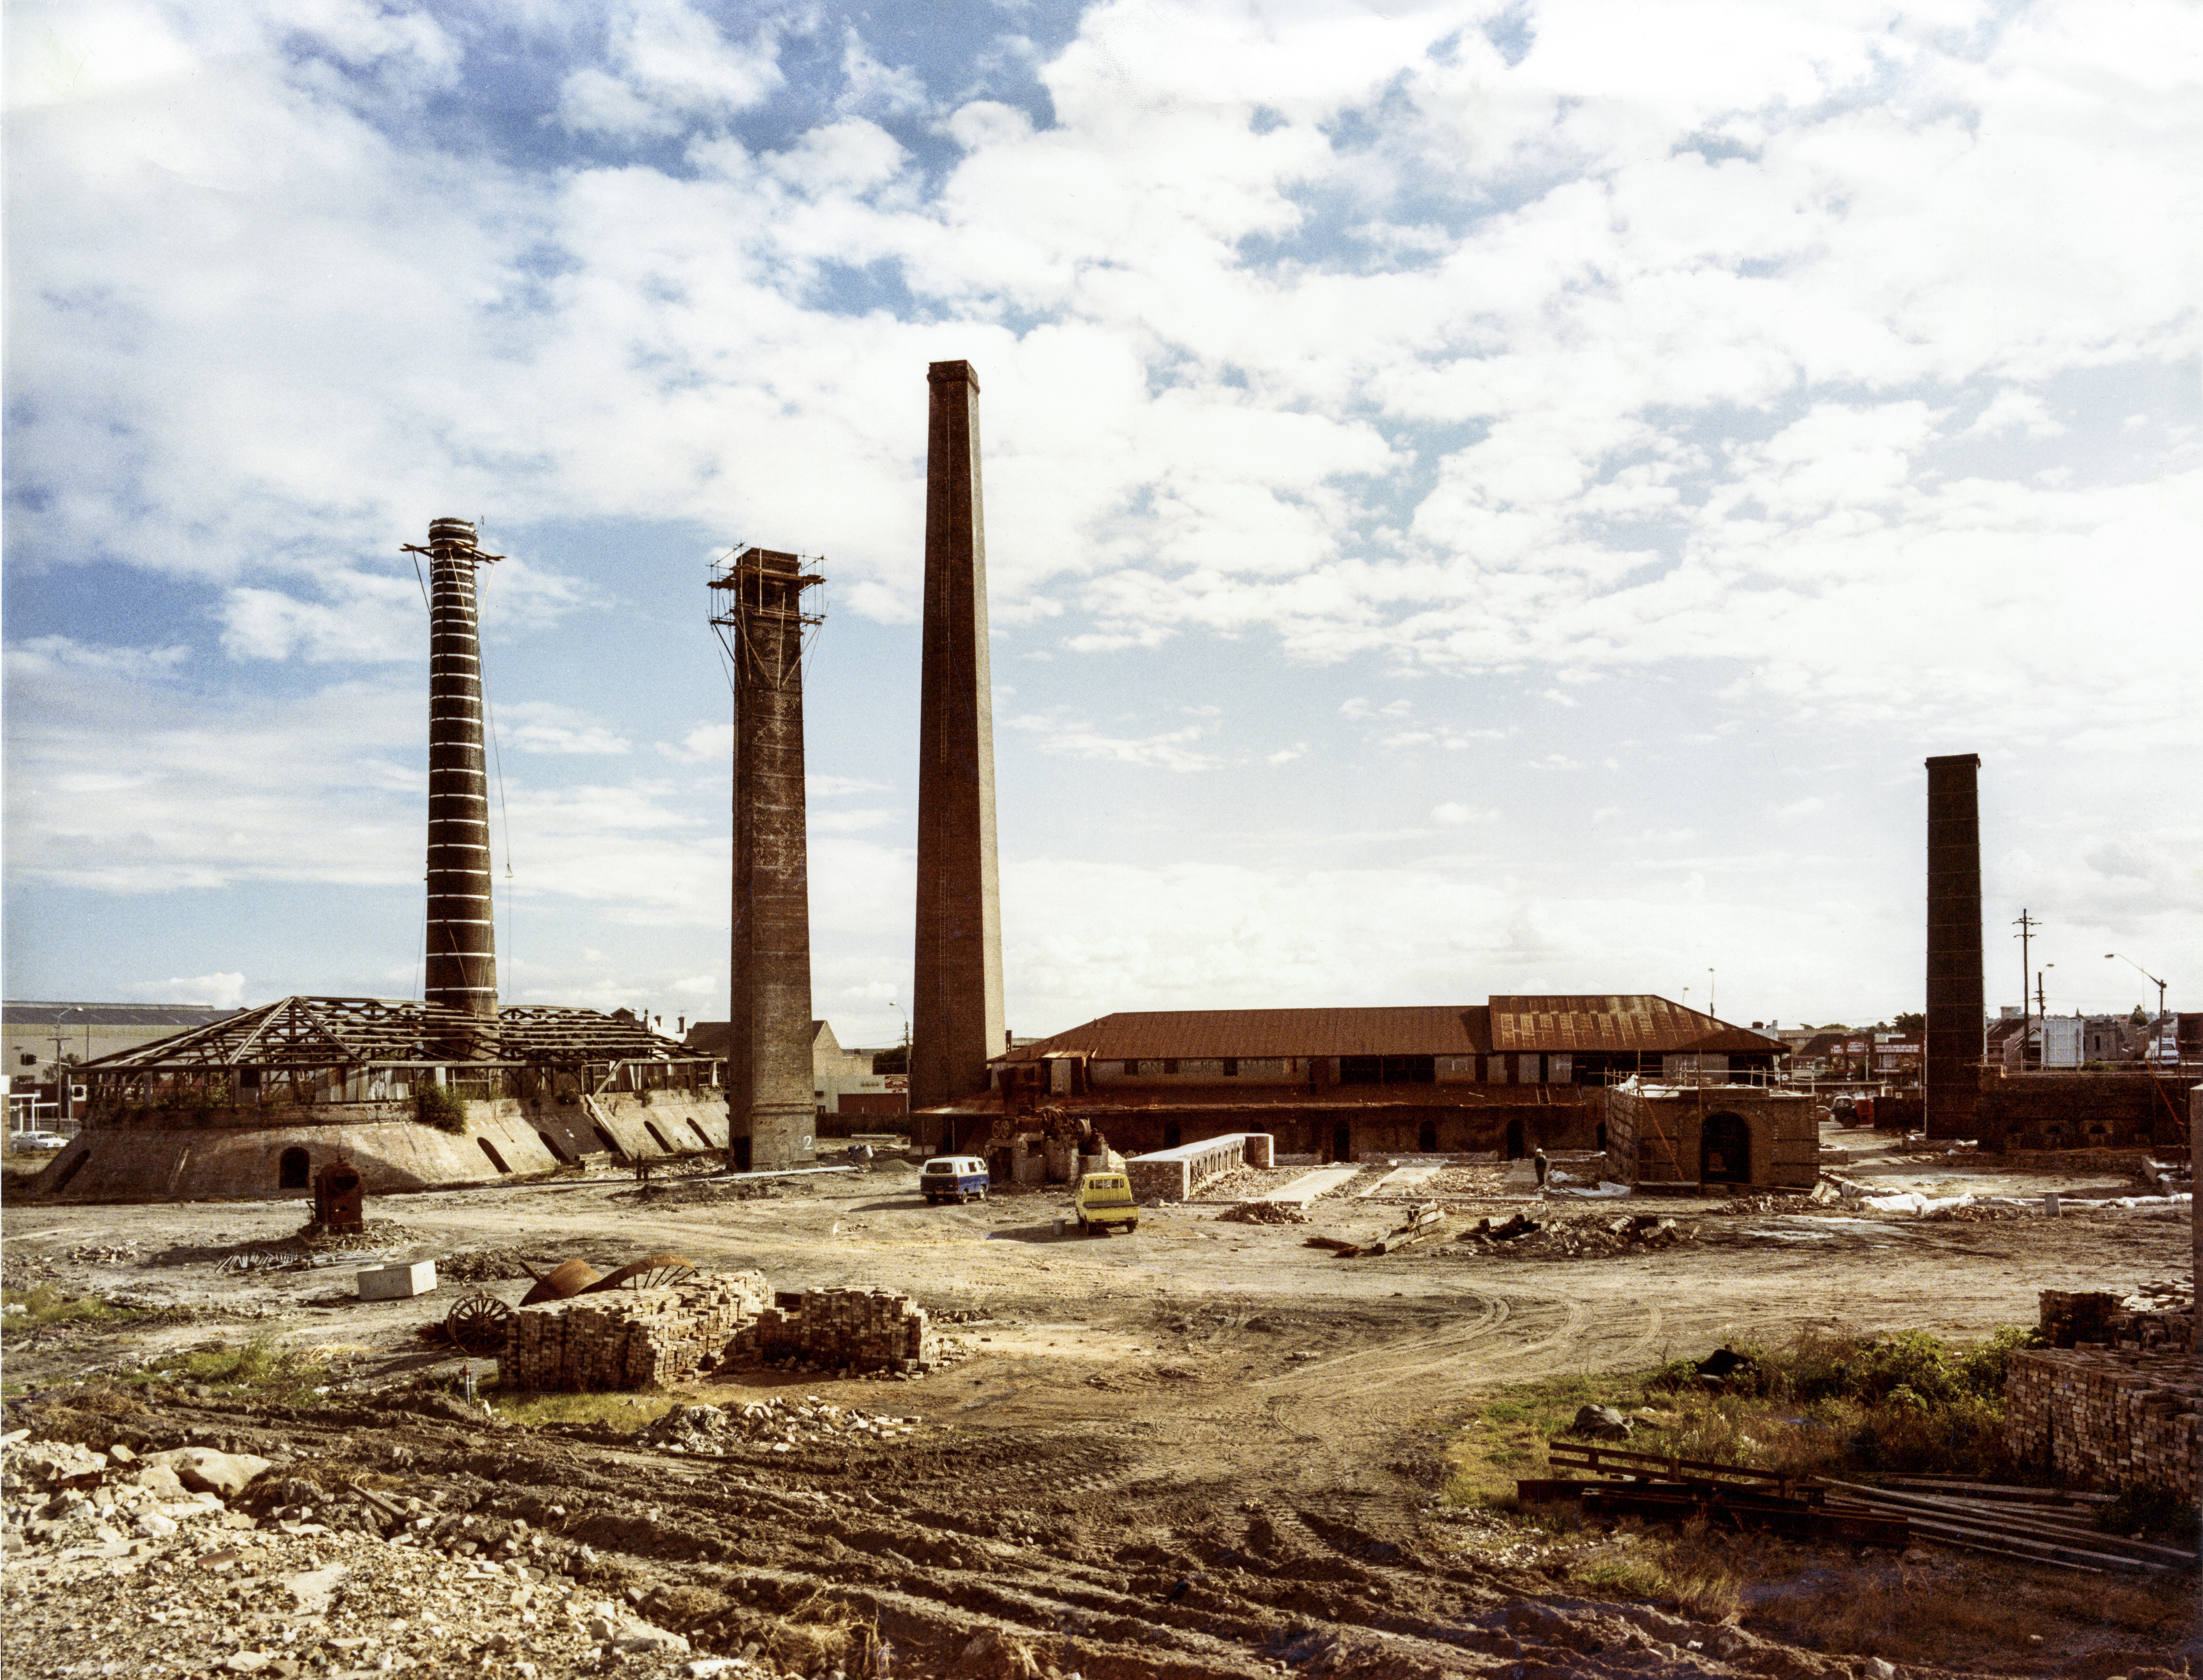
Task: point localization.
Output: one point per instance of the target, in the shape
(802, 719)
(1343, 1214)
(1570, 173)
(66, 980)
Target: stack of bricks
(844, 1330)
(2106, 1417)
(630, 1337)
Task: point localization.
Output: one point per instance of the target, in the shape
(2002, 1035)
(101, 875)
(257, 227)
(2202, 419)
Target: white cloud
(669, 66)
(221, 992)
(1454, 814)
(1167, 749)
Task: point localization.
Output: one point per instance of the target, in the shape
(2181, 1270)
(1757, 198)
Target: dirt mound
(485, 1265)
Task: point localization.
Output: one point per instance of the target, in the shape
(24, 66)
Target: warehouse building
(1508, 1076)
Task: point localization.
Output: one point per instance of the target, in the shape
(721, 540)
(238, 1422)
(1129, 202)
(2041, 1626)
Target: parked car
(954, 1178)
(37, 1143)
(1104, 1201)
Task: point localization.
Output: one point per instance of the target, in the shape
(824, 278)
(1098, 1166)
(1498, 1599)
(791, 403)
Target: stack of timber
(2050, 1526)
(1423, 1222)
(1665, 1488)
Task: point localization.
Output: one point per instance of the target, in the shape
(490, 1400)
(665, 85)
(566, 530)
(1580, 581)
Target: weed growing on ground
(1830, 1405)
(43, 1304)
(259, 1366)
(610, 1411)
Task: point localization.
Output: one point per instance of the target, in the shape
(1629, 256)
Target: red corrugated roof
(1636, 1021)
(1619, 1023)
(1171, 1034)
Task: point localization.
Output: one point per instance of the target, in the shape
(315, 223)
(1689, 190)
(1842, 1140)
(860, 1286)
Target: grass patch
(1828, 1405)
(260, 1367)
(45, 1304)
(600, 1410)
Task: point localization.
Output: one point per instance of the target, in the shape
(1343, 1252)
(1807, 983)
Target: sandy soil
(1204, 1402)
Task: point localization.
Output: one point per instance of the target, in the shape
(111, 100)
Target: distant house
(842, 1080)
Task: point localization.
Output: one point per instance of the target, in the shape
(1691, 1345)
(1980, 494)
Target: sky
(1479, 498)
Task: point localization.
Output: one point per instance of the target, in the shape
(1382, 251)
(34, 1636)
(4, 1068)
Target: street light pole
(2145, 974)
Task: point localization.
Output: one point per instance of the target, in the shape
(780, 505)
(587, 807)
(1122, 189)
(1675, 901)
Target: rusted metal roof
(1618, 1025)
(1171, 1034)
(1638, 1023)
(364, 1031)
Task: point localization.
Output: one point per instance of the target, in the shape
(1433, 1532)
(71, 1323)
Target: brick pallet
(630, 1338)
(2107, 1417)
(844, 1330)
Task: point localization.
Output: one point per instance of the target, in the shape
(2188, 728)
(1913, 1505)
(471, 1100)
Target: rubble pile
(779, 1426)
(1584, 1237)
(2155, 1315)
(854, 1330)
(151, 1565)
(1754, 1205)
(1264, 1213)
(2108, 1417)
(630, 1338)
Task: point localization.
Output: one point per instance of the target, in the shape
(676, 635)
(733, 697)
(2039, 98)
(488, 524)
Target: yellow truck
(1103, 1201)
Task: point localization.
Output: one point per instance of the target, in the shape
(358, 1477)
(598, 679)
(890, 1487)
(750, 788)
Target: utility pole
(2026, 925)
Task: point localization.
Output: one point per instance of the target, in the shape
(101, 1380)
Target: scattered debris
(1602, 1423)
(778, 1425)
(1584, 1237)
(1264, 1213)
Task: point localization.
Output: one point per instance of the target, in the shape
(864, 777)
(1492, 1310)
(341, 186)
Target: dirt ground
(1205, 1449)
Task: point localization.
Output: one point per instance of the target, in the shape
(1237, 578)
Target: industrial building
(413, 1094)
(1508, 1076)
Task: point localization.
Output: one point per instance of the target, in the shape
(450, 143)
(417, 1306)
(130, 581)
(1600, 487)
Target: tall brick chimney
(956, 991)
(1956, 1025)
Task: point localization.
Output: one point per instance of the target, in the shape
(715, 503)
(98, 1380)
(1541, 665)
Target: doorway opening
(1515, 1151)
(1725, 1150)
(1427, 1138)
(1341, 1141)
(293, 1170)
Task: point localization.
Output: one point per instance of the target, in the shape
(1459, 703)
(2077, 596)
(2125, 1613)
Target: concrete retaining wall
(1173, 1174)
(233, 1154)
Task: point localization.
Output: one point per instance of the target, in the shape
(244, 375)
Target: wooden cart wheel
(478, 1324)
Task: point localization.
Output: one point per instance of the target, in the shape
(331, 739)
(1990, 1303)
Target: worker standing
(1537, 1158)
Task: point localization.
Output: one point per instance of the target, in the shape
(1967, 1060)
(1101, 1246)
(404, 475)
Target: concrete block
(396, 1283)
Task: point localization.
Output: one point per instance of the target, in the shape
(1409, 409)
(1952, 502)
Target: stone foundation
(2107, 1418)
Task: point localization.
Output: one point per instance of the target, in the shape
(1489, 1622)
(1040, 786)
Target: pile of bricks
(630, 1338)
(2107, 1417)
(843, 1329)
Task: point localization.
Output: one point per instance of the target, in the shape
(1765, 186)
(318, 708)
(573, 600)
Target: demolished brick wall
(630, 1338)
(2107, 1417)
(2082, 1110)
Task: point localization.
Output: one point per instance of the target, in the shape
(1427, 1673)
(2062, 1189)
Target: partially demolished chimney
(771, 1110)
(1956, 1024)
(460, 961)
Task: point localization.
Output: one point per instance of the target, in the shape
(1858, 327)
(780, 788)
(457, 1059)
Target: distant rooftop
(20, 1012)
